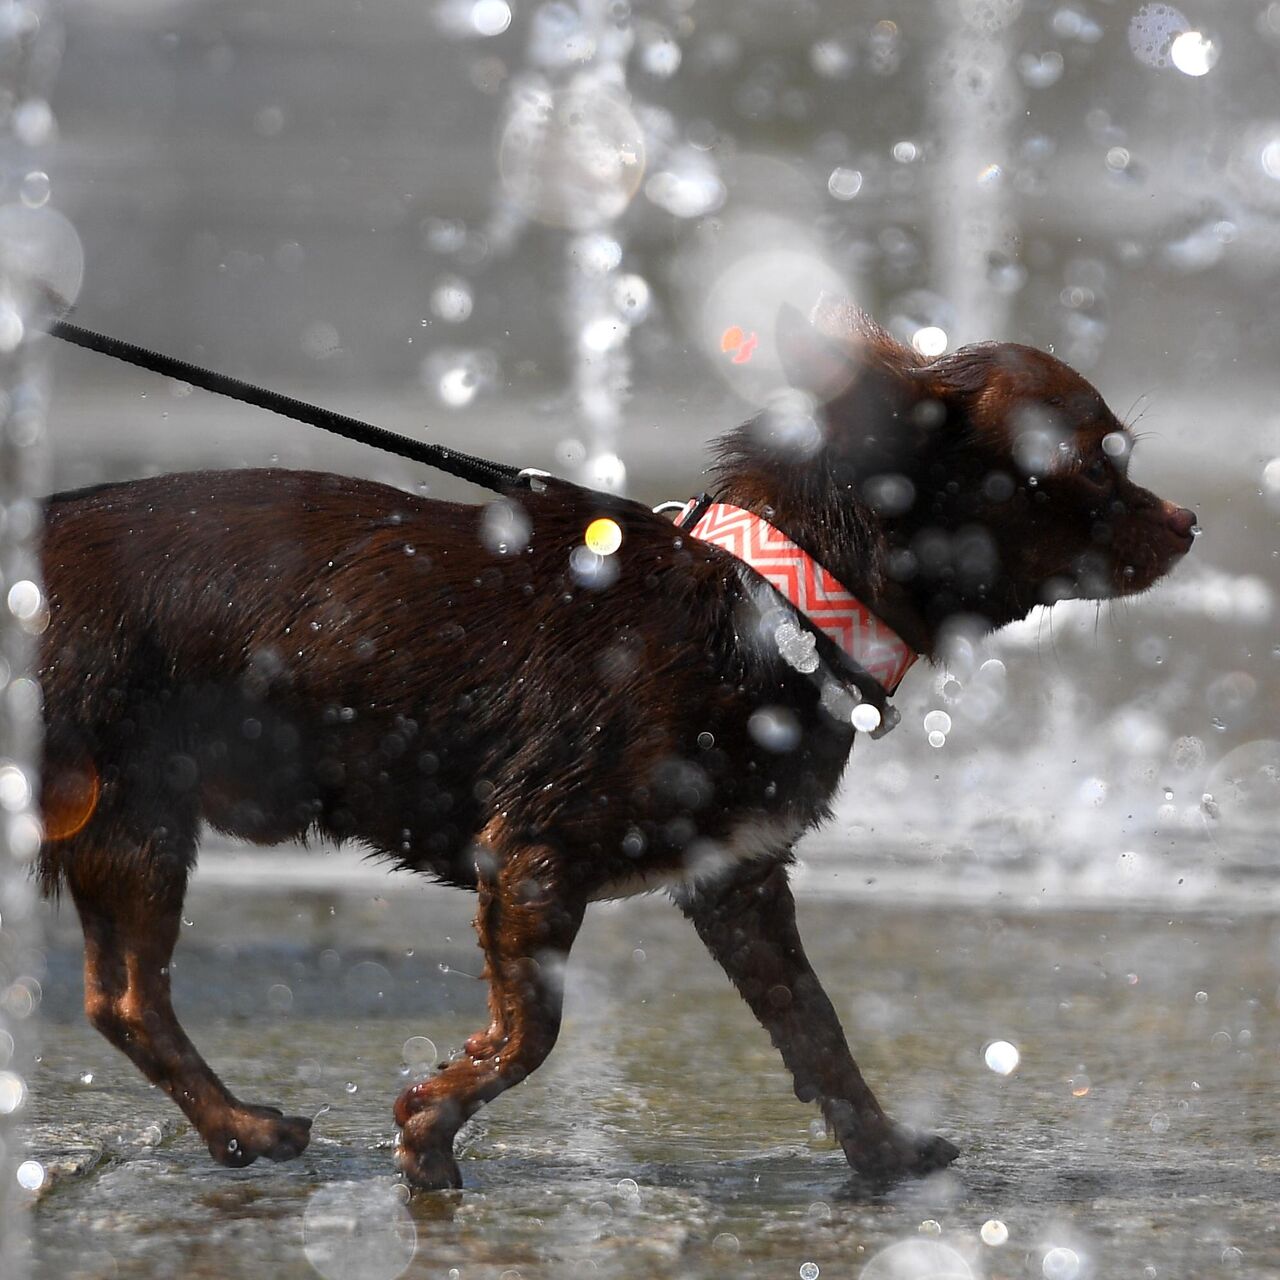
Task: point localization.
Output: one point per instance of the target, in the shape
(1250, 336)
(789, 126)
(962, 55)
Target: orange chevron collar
(805, 585)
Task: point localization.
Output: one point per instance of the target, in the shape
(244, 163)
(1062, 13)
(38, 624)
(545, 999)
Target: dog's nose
(1182, 520)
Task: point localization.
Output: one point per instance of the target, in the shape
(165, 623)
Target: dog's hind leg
(527, 920)
(130, 904)
(748, 922)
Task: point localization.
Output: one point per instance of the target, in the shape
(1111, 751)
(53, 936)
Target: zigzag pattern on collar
(806, 586)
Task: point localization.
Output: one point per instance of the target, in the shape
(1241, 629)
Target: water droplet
(1040, 71)
(504, 527)
(33, 122)
(359, 1229)
(1060, 1264)
(930, 340)
(937, 721)
(603, 536)
(351, 1086)
(1001, 1057)
(1152, 31)
(457, 386)
(660, 56)
(419, 1052)
(831, 59)
(12, 327)
(596, 254)
(34, 189)
(809, 1271)
(865, 718)
(844, 184)
(30, 1175)
(994, 1232)
(572, 157)
(689, 186)
(1193, 53)
(790, 421)
(591, 570)
(776, 729)
(605, 471)
(797, 647)
(632, 297)
(1269, 158)
(917, 1258)
(15, 788)
(452, 300)
(86, 1077)
(603, 334)
(930, 1227)
(490, 17)
(1129, 864)
(279, 998)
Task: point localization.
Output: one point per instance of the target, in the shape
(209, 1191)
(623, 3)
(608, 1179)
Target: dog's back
(281, 652)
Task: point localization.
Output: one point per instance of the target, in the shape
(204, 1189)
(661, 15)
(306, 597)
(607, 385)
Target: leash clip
(534, 477)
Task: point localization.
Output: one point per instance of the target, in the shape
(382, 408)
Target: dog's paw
(931, 1151)
(250, 1132)
(425, 1157)
(899, 1153)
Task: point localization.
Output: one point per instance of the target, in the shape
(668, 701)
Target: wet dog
(554, 698)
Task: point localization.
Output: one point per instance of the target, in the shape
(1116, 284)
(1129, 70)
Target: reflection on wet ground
(1136, 1136)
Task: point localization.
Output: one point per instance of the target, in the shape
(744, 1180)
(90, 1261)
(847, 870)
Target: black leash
(497, 476)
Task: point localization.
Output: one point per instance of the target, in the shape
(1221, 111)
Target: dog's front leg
(748, 922)
(527, 921)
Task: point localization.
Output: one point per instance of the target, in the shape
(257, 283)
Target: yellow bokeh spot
(603, 536)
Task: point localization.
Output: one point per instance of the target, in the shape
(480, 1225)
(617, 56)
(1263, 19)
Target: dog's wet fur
(283, 654)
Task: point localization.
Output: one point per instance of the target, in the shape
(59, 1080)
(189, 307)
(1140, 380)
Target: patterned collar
(866, 641)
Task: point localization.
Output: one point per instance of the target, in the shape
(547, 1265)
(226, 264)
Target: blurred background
(545, 233)
(559, 234)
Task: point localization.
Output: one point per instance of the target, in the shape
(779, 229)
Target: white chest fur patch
(705, 860)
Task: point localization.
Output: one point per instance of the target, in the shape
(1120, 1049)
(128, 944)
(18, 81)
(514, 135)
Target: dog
(555, 698)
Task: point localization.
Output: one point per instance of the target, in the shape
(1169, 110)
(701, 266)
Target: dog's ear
(872, 387)
(815, 358)
(837, 346)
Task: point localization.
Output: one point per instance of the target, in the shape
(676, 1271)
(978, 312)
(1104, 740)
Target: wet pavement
(1137, 1135)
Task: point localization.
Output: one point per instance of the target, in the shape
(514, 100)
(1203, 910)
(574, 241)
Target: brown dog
(471, 693)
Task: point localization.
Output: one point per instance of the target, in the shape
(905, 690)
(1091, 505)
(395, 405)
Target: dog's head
(981, 483)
